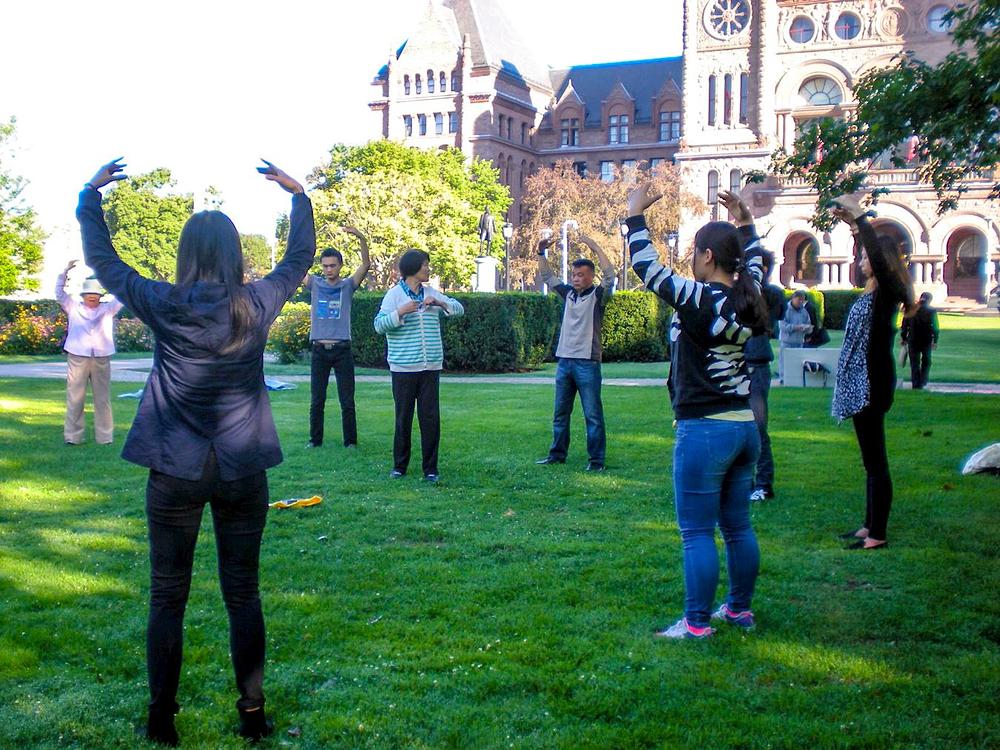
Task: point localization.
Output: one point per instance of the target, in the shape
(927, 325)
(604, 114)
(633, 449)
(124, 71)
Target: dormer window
(569, 131)
(618, 129)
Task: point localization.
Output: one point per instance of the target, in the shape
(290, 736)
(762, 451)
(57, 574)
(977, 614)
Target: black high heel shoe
(852, 534)
(860, 544)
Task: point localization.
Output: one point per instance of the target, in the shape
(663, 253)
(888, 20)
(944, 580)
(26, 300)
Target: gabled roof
(641, 79)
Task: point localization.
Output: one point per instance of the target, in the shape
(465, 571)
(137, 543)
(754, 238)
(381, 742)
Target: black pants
(420, 389)
(920, 364)
(340, 359)
(760, 387)
(869, 426)
(174, 509)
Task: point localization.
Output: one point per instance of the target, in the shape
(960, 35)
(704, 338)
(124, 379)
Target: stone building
(751, 73)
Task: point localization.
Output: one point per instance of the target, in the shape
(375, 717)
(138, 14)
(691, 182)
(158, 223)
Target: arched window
(430, 81)
(510, 168)
(416, 83)
(501, 165)
(735, 180)
(521, 175)
(713, 188)
(524, 132)
(531, 168)
(443, 82)
(711, 99)
(727, 99)
(744, 97)
(454, 80)
(821, 91)
(510, 125)
(406, 85)
(500, 119)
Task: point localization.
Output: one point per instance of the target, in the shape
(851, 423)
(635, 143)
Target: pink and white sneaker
(681, 629)
(742, 619)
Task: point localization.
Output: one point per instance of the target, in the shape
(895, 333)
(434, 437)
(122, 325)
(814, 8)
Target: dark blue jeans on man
(581, 376)
(339, 358)
(713, 471)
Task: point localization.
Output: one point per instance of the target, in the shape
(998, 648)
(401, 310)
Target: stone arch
(800, 264)
(786, 94)
(965, 272)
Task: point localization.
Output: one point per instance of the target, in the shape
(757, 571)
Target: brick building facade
(752, 71)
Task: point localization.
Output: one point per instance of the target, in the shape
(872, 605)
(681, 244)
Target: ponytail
(745, 293)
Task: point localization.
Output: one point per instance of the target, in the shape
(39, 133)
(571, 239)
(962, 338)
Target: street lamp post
(672, 244)
(623, 228)
(508, 231)
(546, 233)
(566, 225)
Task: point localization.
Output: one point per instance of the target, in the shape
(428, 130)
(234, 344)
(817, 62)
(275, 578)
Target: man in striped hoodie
(410, 319)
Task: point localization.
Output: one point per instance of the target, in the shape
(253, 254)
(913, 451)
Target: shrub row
(521, 329)
(503, 332)
(40, 328)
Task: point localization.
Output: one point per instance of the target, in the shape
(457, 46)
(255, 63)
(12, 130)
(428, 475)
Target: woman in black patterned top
(717, 443)
(866, 374)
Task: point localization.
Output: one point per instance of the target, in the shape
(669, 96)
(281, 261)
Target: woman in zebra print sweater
(717, 442)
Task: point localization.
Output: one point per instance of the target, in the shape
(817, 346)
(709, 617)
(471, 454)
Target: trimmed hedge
(504, 332)
(838, 302)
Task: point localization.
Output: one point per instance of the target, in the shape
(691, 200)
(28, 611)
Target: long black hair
(724, 241)
(210, 250)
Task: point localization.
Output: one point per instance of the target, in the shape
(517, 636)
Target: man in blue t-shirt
(330, 339)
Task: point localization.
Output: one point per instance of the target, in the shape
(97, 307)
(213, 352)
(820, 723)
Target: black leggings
(239, 510)
(869, 426)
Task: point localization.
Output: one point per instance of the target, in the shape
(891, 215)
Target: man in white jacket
(89, 346)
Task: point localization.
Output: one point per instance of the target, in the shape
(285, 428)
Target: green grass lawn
(512, 605)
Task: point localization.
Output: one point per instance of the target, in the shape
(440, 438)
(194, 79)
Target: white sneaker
(681, 629)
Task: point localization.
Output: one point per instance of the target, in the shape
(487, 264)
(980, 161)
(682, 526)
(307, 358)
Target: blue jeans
(713, 474)
(583, 376)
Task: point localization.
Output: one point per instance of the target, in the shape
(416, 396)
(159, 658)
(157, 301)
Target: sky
(206, 88)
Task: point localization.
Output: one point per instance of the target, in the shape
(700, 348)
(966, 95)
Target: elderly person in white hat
(89, 346)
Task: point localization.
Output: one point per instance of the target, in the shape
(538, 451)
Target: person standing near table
(89, 345)
(330, 340)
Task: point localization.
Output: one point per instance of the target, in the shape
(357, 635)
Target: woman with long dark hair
(866, 373)
(717, 442)
(204, 428)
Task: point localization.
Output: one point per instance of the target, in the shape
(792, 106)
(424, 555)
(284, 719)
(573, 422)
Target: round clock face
(727, 18)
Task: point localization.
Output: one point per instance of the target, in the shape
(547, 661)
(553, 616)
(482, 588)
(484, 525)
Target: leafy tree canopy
(402, 198)
(146, 220)
(952, 109)
(256, 256)
(20, 236)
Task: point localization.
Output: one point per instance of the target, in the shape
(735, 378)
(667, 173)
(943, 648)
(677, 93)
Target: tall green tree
(20, 236)
(403, 197)
(951, 109)
(256, 256)
(146, 219)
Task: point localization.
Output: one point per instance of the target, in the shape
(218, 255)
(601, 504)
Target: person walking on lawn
(204, 428)
(866, 372)
(919, 334)
(89, 345)
(578, 353)
(410, 318)
(717, 443)
(330, 340)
